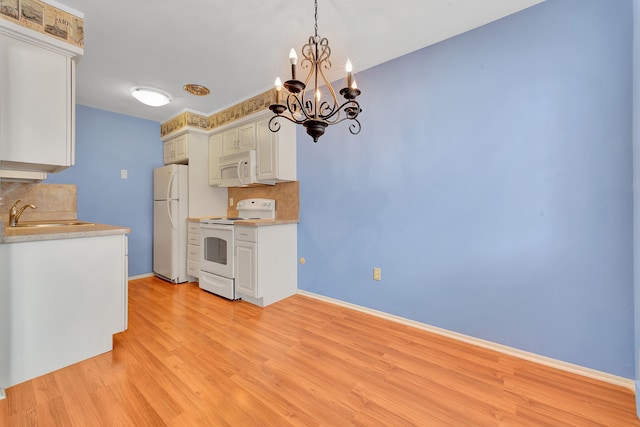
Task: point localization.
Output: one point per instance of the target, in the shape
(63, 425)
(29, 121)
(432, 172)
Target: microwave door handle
(240, 170)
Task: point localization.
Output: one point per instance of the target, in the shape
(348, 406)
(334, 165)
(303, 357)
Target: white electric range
(217, 266)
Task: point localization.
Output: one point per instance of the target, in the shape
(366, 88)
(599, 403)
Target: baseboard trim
(141, 276)
(532, 357)
(637, 390)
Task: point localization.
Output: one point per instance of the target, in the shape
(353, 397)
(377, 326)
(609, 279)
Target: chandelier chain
(316, 17)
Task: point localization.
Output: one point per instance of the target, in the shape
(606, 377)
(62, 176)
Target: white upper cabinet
(176, 150)
(215, 151)
(239, 138)
(37, 105)
(276, 151)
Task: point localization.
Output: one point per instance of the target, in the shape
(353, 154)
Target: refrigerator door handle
(169, 185)
(173, 224)
(173, 176)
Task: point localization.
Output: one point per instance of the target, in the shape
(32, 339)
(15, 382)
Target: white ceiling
(237, 48)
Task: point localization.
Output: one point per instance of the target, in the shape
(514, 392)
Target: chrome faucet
(15, 212)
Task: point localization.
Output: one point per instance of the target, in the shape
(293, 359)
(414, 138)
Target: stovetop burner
(249, 209)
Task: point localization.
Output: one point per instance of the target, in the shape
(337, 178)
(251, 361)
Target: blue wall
(492, 183)
(636, 187)
(106, 143)
(510, 145)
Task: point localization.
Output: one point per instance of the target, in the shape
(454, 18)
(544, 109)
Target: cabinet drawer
(193, 227)
(193, 239)
(193, 268)
(247, 234)
(193, 253)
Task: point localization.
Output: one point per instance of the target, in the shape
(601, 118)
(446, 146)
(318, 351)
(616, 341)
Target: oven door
(216, 249)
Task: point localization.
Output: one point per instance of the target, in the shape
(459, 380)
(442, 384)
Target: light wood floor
(190, 358)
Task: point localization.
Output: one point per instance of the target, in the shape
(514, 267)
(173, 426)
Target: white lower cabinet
(247, 266)
(66, 299)
(265, 263)
(193, 250)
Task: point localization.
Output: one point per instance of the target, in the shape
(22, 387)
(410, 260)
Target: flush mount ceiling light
(311, 111)
(197, 90)
(152, 97)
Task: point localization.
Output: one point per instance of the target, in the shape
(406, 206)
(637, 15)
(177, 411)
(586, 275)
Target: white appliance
(217, 246)
(238, 169)
(170, 211)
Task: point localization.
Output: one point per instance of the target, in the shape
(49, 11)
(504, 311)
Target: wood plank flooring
(190, 358)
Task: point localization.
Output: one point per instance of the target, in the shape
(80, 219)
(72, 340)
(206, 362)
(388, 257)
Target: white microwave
(238, 169)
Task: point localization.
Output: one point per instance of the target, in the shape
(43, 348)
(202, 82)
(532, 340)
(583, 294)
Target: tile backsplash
(54, 201)
(286, 195)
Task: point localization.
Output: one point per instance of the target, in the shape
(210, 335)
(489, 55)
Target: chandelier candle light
(311, 111)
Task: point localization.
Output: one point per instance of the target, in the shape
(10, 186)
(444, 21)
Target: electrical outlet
(123, 174)
(230, 201)
(377, 273)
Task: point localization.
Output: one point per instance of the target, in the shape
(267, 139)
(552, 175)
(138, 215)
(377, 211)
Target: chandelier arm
(331, 91)
(330, 110)
(354, 109)
(275, 126)
(297, 106)
(309, 59)
(353, 128)
(324, 53)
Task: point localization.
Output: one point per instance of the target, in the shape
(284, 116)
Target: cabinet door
(247, 268)
(36, 106)
(247, 137)
(169, 154)
(176, 150)
(230, 141)
(266, 151)
(215, 151)
(181, 148)
(276, 152)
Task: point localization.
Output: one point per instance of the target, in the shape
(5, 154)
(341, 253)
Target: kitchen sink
(60, 223)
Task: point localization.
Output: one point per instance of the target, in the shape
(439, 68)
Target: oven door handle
(216, 226)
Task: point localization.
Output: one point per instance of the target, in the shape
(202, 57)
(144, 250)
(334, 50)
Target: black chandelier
(311, 111)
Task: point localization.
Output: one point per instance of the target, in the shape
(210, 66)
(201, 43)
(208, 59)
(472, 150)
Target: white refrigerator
(170, 212)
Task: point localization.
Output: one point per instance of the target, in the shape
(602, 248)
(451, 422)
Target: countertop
(250, 222)
(30, 234)
(264, 222)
